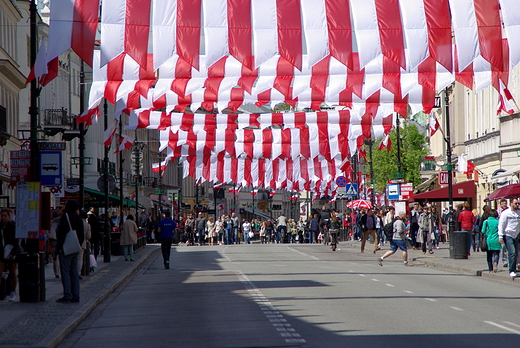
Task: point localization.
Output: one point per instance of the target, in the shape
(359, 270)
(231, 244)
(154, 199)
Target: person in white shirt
(508, 228)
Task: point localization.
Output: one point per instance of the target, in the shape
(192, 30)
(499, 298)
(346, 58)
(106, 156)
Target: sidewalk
(47, 323)
(476, 264)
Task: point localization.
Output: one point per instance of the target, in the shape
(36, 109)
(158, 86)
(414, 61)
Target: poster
(27, 209)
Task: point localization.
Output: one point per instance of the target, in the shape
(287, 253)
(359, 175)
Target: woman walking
(490, 230)
(10, 247)
(211, 227)
(129, 237)
(69, 263)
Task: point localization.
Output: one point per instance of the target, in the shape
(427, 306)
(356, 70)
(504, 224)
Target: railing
(57, 117)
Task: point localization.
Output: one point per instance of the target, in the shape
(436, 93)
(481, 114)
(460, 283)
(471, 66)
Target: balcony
(57, 120)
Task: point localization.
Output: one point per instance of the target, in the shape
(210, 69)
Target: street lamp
(370, 143)
(449, 166)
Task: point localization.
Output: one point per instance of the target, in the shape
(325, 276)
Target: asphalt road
(300, 295)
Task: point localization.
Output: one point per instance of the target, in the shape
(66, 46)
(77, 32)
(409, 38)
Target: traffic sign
(352, 189)
(341, 181)
(392, 191)
(396, 181)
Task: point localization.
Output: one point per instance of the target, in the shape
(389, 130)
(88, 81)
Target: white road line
(430, 299)
(457, 308)
(503, 327)
(390, 285)
(302, 253)
(510, 323)
(275, 318)
(376, 280)
(362, 275)
(408, 291)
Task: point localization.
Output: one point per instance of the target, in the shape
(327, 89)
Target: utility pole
(121, 198)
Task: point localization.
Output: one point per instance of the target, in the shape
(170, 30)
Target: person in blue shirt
(166, 228)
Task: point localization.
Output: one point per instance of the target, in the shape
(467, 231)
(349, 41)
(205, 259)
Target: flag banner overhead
(371, 57)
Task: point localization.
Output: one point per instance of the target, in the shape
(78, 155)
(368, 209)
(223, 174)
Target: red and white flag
(434, 124)
(160, 167)
(125, 143)
(40, 65)
(73, 24)
(109, 133)
(505, 100)
(386, 143)
(294, 197)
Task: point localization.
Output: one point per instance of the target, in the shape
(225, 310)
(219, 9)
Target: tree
(413, 149)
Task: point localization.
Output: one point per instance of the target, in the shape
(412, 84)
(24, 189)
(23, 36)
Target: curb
(61, 332)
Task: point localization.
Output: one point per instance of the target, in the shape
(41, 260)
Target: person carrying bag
(70, 236)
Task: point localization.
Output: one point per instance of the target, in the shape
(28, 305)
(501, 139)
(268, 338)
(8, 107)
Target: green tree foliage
(413, 149)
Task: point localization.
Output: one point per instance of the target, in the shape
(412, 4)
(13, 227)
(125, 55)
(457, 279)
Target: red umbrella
(359, 203)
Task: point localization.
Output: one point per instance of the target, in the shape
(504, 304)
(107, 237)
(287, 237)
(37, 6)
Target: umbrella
(359, 203)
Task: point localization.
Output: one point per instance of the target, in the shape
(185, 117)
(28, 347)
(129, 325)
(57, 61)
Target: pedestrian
(475, 238)
(437, 227)
(69, 263)
(51, 239)
(262, 233)
(368, 225)
(220, 230)
(508, 228)
(503, 207)
(95, 233)
(129, 237)
(236, 225)
(414, 224)
(86, 243)
(466, 220)
(314, 226)
(211, 228)
(246, 228)
(190, 230)
(379, 228)
(165, 228)
(490, 231)
(269, 231)
(426, 232)
(143, 219)
(398, 240)
(10, 249)
(200, 223)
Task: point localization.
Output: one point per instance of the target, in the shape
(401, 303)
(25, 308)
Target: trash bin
(29, 277)
(459, 245)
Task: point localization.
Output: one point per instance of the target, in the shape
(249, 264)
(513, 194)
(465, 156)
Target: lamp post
(138, 147)
(108, 242)
(370, 143)
(398, 136)
(449, 166)
(81, 146)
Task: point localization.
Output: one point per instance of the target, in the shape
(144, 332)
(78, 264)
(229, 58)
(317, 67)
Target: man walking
(368, 223)
(200, 223)
(166, 227)
(236, 224)
(508, 228)
(414, 224)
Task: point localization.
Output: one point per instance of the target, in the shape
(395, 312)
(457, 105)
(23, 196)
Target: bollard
(459, 245)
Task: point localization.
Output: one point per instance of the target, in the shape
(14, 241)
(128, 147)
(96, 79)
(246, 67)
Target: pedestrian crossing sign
(352, 189)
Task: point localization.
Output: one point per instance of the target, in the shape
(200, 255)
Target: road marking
(362, 275)
(430, 299)
(408, 291)
(376, 280)
(275, 318)
(390, 285)
(304, 254)
(457, 308)
(510, 323)
(503, 327)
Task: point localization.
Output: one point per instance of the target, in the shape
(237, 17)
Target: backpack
(388, 230)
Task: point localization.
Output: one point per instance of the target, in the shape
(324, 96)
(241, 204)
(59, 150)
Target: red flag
(125, 143)
(386, 143)
(434, 124)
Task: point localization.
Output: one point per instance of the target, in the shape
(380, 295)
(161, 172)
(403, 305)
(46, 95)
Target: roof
(460, 191)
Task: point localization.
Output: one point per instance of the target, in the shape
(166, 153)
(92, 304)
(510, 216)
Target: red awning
(509, 191)
(461, 191)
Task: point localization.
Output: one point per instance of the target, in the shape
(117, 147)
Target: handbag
(71, 244)
(483, 242)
